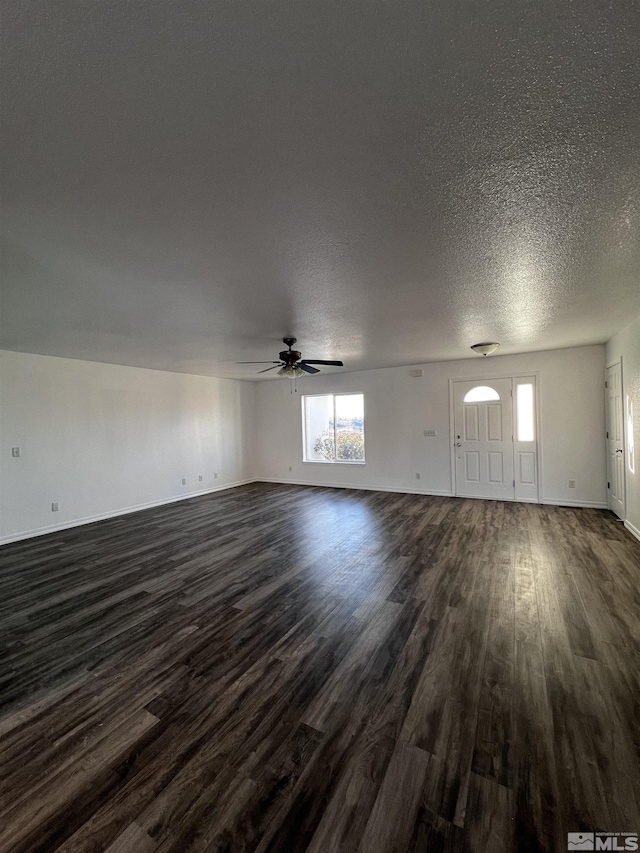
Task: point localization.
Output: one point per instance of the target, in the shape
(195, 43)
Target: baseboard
(632, 530)
(578, 504)
(91, 519)
(68, 525)
(432, 492)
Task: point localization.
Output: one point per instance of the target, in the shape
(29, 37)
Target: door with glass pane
(483, 439)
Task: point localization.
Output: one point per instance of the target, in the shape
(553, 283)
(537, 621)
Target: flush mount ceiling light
(485, 349)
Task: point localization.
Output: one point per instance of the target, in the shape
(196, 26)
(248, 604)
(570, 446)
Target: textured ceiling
(186, 182)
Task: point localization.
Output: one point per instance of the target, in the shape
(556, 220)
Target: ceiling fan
(291, 365)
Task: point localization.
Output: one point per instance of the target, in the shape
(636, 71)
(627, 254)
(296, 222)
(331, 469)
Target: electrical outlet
(417, 476)
(572, 484)
(184, 482)
(15, 452)
(200, 477)
(429, 433)
(55, 506)
(215, 475)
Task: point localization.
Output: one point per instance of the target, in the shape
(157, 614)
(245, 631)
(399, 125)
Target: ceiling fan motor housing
(290, 356)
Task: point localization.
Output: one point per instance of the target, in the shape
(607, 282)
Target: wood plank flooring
(281, 669)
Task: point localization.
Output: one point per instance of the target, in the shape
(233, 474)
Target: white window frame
(304, 430)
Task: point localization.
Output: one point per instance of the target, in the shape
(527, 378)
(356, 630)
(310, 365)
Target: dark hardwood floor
(290, 669)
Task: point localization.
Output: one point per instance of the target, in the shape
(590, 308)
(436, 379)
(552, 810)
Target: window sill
(322, 462)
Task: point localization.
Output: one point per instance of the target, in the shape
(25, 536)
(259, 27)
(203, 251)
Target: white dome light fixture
(485, 349)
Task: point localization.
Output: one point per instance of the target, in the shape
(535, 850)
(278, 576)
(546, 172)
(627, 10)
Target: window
(481, 394)
(333, 428)
(631, 456)
(524, 412)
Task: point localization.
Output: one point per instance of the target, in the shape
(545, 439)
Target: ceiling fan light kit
(485, 348)
(290, 372)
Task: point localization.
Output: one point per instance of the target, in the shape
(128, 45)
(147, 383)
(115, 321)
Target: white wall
(398, 408)
(626, 344)
(101, 439)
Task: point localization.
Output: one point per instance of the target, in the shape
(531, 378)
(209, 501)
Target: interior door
(483, 439)
(615, 440)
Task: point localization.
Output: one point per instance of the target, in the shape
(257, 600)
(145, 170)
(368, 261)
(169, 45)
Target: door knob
(619, 450)
(458, 444)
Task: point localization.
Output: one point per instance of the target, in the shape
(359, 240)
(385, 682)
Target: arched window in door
(481, 394)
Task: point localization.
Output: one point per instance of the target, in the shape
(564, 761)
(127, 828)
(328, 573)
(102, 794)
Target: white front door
(483, 439)
(615, 440)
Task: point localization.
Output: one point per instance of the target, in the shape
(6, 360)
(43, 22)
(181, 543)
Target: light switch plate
(430, 432)
(15, 452)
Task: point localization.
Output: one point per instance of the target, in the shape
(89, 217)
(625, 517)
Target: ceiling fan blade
(277, 364)
(319, 361)
(257, 362)
(306, 368)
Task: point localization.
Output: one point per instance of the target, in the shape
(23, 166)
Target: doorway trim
(452, 429)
